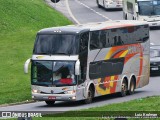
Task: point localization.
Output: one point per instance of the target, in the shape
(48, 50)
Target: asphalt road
(84, 11)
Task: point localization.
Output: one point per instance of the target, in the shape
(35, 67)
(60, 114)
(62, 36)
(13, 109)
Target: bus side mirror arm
(136, 8)
(26, 65)
(77, 68)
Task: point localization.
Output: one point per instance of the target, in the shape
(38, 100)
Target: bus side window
(110, 41)
(124, 36)
(120, 42)
(102, 42)
(94, 40)
(84, 38)
(115, 37)
(108, 38)
(84, 42)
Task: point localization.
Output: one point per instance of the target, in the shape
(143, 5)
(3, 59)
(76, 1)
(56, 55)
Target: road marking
(92, 10)
(70, 13)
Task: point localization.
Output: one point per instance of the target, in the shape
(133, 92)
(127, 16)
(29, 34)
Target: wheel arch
(90, 84)
(126, 79)
(134, 78)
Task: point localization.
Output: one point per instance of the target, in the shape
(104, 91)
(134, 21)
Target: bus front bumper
(154, 24)
(113, 6)
(53, 97)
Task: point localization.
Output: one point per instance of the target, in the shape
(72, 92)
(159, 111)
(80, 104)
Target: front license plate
(51, 97)
(154, 68)
(154, 24)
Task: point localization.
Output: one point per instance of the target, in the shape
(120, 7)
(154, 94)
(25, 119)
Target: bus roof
(74, 29)
(144, 0)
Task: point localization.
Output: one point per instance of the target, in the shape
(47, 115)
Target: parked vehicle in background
(110, 4)
(145, 10)
(80, 62)
(155, 59)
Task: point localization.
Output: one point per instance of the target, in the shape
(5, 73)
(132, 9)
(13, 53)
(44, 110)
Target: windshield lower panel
(149, 8)
(52, 73)
(53, 44)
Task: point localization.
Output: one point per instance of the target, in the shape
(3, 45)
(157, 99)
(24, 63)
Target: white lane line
(92, 10)
(70, 13)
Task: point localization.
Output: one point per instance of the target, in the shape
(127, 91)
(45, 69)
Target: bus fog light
(36, 91)
(32, 97)
(73, 98)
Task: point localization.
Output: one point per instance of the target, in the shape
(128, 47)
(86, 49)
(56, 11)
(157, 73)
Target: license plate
(154, 68)
(51, 97)
(154, 24)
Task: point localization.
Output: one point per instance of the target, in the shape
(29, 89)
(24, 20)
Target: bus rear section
(145, 10)
(80, 62)
(119, 59)
(110, 4)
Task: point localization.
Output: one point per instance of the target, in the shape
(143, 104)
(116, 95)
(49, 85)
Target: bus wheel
(50, 103)
(98, 4)
(90, 96)
(126, 17)
(124, 88)
(104, 5)
(132, 87)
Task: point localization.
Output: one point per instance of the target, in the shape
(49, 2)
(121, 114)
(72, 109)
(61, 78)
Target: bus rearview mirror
(77, 68)
(26, 65)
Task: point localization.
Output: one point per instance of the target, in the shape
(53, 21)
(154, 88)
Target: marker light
(70, 92)
(35, 91)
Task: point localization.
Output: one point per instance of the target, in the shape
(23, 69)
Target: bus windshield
(56, 44)
(49, 73)
(149, 8)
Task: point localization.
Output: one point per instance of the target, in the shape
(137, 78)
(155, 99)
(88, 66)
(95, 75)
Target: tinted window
(84, 38)
(119, 36)
(99, 69)
(56, 44)
(94, 40)
(102, 41)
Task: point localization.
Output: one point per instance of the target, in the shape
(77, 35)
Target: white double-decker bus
(110, 4)
(81, 62)
(145, 10)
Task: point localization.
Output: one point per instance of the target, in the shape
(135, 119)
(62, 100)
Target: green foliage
(19, 22)
(143, 105)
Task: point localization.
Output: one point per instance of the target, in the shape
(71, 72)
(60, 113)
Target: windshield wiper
(62, 53)
(43, 53)
(59, 85)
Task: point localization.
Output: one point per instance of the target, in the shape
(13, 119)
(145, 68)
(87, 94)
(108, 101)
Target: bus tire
(99, 6)
(104, 5)
(90, 96)
(124, 88)
(132, 86)
(50, 103)
(126, 17)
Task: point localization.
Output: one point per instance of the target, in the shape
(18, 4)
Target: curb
(17, 103)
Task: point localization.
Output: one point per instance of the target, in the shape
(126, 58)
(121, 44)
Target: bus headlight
(142, 19)
(35, 91)
(70, 92)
